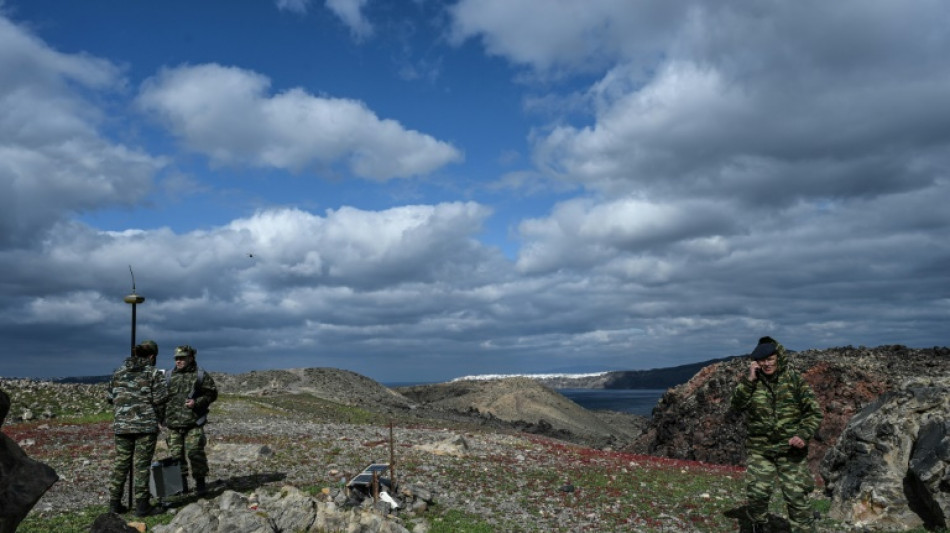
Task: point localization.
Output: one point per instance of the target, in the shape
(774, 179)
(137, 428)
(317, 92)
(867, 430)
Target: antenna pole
(392, 459)
(133, 299)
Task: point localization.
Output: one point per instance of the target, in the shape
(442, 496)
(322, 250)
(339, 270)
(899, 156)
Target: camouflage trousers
(794, 478)
(190, 443)
(142, 447)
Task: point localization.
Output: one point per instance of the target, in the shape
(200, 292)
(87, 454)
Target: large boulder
(693, 420)
(890, 468)
(4, 406)
(22, 482)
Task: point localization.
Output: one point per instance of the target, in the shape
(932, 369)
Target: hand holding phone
(754, 371)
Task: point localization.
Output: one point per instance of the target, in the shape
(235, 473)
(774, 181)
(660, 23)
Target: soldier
(782, 416)
(138, 394)
(191, 391)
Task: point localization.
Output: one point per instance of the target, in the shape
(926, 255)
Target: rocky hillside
(656, 378)
(693, 420)
(529, 406)
(333, 384)
(518, 404)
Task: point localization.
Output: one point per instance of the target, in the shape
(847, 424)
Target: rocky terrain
(514, 439)
(693, 421)
(474, 465)
(514, 403)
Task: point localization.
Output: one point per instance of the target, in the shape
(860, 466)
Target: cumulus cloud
(344, 278)
(764, 113)
(294, 6)
(226, 114)
(584, 234)
(565, 35)
(54, 162)
(351, 13)
(722, 171)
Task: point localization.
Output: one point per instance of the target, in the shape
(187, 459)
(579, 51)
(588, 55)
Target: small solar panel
(366, 476)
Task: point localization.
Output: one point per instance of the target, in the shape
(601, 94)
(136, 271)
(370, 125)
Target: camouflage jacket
(138, 394)
(181, 385)
(777, 407)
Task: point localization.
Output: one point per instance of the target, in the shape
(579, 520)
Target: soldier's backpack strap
(200, 377)
(203, 413)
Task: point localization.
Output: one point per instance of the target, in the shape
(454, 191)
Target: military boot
(184, 483)
(144, 508)
(200, 488)
(115, 506)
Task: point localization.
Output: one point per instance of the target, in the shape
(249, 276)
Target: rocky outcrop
(290, 510)
(693, 421)
(22, 480)
(890, 468)
(4, 406)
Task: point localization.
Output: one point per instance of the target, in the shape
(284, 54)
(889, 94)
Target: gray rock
(232, 500)
(288, 510)
(891, 466)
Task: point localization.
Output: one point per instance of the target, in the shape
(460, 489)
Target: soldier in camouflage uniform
(191, 391)
(138, 394)
(782, 415)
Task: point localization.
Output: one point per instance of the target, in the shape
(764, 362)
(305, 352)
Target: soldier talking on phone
(782, 415)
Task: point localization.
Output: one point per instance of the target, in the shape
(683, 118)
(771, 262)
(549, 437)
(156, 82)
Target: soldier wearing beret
(782, 415)
(191, 392)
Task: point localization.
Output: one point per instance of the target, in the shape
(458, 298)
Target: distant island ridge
(656, 378)
(551, 375)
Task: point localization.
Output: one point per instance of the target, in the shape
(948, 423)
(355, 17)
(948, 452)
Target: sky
(420, 190)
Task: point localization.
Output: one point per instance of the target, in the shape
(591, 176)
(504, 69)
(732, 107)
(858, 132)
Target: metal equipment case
(165, 478)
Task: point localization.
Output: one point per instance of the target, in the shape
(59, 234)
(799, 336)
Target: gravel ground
(505, 477)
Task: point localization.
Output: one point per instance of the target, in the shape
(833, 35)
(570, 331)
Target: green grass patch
(453, 521)
(48, 401)
(80, 521)
(309, 407)
(87, 419)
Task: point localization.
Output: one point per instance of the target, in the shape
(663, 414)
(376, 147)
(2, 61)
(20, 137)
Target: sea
(636, 401)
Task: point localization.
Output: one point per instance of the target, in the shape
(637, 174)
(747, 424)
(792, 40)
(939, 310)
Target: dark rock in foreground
(111, 523)
(22, 480)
